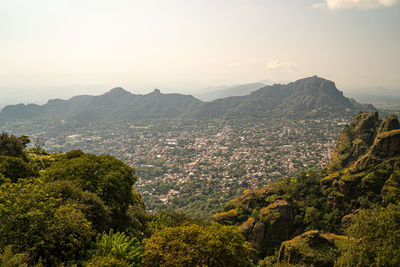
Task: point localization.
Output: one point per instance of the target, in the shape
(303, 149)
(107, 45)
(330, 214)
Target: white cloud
(358, 4)
(319, 5)
(279, 64)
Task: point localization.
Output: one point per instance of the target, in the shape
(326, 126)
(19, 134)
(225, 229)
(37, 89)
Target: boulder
(311, 248)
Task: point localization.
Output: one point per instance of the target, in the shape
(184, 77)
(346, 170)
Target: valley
(194, 164)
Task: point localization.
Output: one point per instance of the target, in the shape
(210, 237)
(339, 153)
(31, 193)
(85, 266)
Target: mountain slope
(305, 98)
(325, 200)
(117, 104)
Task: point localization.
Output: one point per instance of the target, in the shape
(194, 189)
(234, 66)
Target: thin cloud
(357, 4)
(233, 65)
(245, 63)
(319, 5)
(279, 64)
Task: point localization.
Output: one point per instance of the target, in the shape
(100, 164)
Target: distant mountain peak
(118, 91)
(314, 78)
(157, 91)
(311, 97)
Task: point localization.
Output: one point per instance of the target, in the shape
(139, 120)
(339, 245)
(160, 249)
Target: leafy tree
(14, 168)
(118, 246)
(10, 259)
(194, 245)
(138, 218)
(171, 219)
(41, 162)
(268, 261)
(312, 218)
(373, 238)
(38, 145)
(74, 154)
(41, 225)
(109, 178)
(24, 140)
(3, 179)
(89, 203)
(106, 261)
(11, 146)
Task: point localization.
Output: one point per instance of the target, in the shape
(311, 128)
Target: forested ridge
(77, 209)
(311, 97)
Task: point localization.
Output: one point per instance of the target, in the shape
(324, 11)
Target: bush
(35, 222)
(73, 154)
(11, 146)
(373, 238)
(105, 261)
(118, 246)
(14, 168)
(89, 203)
(109, 178)
(10, 259)
(194, 245)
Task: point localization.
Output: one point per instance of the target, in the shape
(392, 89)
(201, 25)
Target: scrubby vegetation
(82, 209)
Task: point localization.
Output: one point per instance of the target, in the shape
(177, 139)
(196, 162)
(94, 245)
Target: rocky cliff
(364, 172)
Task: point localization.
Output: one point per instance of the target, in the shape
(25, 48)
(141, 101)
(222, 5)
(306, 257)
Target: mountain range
(378, 96)
(311, 97)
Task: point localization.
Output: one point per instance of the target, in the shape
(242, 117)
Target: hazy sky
(60, 48)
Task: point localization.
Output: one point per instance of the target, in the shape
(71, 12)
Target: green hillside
(312, 97)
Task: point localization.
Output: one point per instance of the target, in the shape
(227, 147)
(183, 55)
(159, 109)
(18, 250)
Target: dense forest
(77, 209)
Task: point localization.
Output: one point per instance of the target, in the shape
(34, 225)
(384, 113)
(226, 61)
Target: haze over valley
(187, 133)
(191, 155)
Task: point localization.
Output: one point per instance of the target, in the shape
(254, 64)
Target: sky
(61, 48)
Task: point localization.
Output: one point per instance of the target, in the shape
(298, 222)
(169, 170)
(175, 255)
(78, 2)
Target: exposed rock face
(372, 172)
(386, 145)
(310, 248)
(390, 123)
(277, 218)
(227, 217)
(364, 133)
(272, 228)
(254, 231)
(391, 188)
(268, 217)
(355, 140)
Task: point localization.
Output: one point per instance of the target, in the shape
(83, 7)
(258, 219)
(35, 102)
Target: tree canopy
(194, 245)
(373, 238)
(109, 178)
(36, 222)
(12, 146)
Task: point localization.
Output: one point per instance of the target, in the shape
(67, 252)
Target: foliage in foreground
(373, 238)
(118, 246)
(36, 222)
(109, 178)
(194, 245)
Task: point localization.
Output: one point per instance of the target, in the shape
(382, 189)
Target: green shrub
(118, 246)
